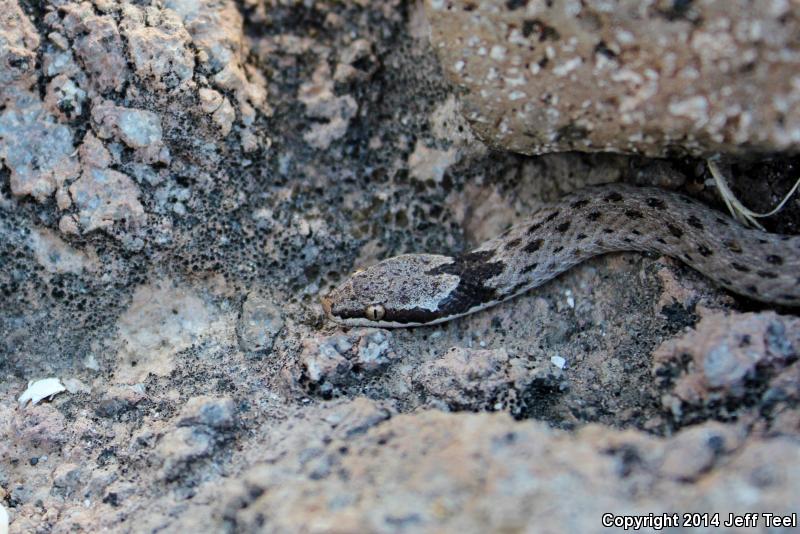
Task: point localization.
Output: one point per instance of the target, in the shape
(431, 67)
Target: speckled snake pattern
(422, 289)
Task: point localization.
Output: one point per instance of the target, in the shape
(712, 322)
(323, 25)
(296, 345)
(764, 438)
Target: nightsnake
(423, 289)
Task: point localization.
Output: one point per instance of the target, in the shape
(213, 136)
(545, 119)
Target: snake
(424, 289)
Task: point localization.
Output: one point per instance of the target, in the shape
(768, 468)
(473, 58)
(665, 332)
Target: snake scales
(422, 289)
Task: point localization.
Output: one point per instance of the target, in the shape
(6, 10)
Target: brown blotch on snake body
(533, 228)
(704, 250)
(633, 214)
(534, 245)
(733, 246)
(514, 243)
(694, 221)
(674, 230)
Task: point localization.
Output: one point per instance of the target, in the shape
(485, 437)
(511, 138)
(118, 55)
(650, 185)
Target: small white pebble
(39, 390)
(3, 520)
(558, 361)
(498, 52)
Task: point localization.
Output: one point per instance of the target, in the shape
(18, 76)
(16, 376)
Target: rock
(479, 380)
(328, 363)
(19, 42)
(220, 108)
(217, 34)
(215, 413)
(137, 128)
(373, 351)
(56, 256)
(178, 449)
(67, 480)
(97, 45)
(75, 385)
(726, 357)
(35, 431)
(36, 149)
(119, 400)
(481, 472)
(325, 360)
(105, 196)
(162, 320)
(357, 417)
(356, 62)
(654, 78)
(205, 423)
(322, 103)
(224, 117)
(210, 100)
(696, 450)
(64, 98)
(430, 164)
(159, 47)
(259, 324)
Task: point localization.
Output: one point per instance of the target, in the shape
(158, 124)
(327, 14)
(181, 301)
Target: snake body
(422, 289)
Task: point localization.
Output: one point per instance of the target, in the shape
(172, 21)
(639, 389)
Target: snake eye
(375, 312)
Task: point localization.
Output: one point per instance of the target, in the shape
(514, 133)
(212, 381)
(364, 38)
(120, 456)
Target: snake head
(407, 290)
